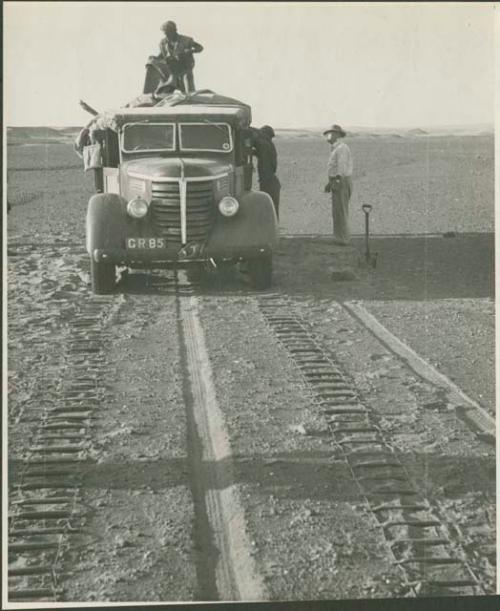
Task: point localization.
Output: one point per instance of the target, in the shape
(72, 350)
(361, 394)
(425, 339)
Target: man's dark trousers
(272, 187)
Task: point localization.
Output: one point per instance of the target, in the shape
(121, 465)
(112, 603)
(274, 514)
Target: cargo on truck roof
(205, 104)
(114, 119)
(200, 103)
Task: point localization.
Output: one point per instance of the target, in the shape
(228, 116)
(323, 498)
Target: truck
(173, 189)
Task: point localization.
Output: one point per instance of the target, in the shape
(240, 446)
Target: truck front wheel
(260, 271)
(102, 276)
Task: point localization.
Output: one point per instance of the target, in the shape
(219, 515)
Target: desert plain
(310, 531)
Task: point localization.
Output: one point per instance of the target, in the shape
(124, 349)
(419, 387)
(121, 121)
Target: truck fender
(254, 226)
(258, 206)
(106, 221)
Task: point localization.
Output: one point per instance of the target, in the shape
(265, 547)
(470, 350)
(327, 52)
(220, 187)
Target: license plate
(146, 243)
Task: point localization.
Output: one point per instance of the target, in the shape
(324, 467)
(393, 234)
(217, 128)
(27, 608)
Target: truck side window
(111, 154)
(246, 146)
(245, 151)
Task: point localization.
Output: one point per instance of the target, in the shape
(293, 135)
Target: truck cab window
(214, 137)
(148, 137)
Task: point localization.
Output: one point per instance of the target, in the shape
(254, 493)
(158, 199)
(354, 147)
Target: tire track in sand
(226, 569)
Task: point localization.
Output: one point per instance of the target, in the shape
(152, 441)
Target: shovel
(371, 259)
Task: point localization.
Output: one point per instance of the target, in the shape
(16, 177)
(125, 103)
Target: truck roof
(123, 115)
(115, 119)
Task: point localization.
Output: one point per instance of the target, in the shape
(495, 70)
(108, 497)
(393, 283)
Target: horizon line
(308, 128)
(401, 127)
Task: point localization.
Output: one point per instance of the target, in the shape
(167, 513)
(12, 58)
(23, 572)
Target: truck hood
(152, 168)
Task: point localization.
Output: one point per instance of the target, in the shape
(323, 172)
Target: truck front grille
(166, 210)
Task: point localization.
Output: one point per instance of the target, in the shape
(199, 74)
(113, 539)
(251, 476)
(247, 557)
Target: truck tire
(102, 276)
(260, 271)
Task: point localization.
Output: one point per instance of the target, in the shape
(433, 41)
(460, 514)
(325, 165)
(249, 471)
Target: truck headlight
(228, 206)
(137, 207)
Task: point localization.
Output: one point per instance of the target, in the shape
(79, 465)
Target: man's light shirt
(340, 161)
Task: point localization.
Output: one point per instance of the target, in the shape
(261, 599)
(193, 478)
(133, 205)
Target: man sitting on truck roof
(177, 51)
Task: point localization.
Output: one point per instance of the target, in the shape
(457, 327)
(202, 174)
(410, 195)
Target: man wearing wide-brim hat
(339, 184)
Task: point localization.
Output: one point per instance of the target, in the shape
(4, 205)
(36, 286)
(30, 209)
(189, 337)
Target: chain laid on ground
(421, 544)
(46, 509)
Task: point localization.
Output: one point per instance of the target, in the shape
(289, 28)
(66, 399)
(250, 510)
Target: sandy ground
(436, 294)
(301, 501)
(139, 482)
(311, 534)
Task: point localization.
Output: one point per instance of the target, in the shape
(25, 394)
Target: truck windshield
(205, 137)
(148, 137)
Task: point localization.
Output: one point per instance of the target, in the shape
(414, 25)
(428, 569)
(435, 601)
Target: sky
(297, 64)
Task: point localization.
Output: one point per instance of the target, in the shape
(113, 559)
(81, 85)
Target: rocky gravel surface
(311, 532)
(428, 327)
(420, 185)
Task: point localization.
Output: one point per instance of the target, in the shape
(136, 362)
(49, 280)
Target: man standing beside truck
(339, 184)
(267, 164)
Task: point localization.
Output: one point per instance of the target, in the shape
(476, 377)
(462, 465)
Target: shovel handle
(367, 209)
(88, 108)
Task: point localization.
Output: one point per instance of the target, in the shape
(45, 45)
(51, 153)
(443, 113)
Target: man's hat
(167, 25)
(335, 128)
(268, 130)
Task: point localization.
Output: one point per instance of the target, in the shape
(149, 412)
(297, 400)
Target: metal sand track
(431, 557)
(46, 509)
(48, 517)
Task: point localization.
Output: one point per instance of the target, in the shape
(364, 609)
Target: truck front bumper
(165, 257)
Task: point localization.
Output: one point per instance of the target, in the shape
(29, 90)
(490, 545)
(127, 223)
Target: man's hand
(328, 187)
